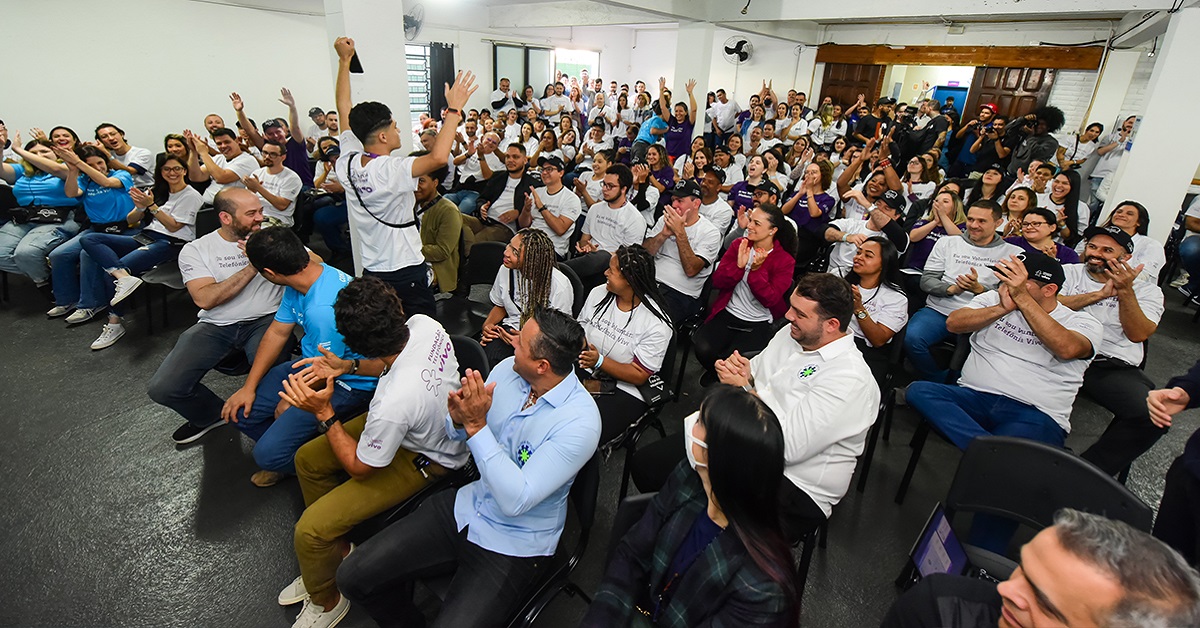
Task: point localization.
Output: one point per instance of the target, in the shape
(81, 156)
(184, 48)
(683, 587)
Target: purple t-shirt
(803, 218)
(665, 176)
(1065, 254)
(296, 160)
(918, 252)
(740, 197)
(679, 136)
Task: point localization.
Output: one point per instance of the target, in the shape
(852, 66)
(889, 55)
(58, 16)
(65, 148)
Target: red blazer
(769, 283)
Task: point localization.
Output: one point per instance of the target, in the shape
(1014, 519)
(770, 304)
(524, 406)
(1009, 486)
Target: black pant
(617, 411)
(1122, 390)
(590, 267)
(680, 306)
(798, 513)
(1178, 522)
(722, 334)
(486, 589)
(497, 351)
(877, 358)
(411, 283)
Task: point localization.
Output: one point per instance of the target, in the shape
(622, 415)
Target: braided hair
(637, 266)
(537, 270)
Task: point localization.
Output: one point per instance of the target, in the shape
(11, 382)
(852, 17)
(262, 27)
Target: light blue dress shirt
(527, 460)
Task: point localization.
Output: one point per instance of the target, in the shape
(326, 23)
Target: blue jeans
(1189, 256)
(64, 269)
(104, 253)
(466, 200)
(279, 440)
(961, 414)
(328, 219)
(23, 248)
(926, 328)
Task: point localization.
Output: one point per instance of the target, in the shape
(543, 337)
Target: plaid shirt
(723, 587)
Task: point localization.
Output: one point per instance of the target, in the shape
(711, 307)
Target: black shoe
(708, 378)
(188, 433)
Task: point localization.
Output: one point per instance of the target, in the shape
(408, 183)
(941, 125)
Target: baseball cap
(316, 111)
(686, 187)
(1041, 267)
(1112, 231)
(992, 106)
(893, 199)
(997, 167)
(766, 186)
(721, 148)
(553, 161)
(885, 101)
(270, 124)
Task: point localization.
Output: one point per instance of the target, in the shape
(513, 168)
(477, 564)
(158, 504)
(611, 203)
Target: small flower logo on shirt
(524, 453)
(808, 371)
(433, 382)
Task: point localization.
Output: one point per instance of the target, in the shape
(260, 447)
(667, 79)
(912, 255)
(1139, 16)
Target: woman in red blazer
(752, 280)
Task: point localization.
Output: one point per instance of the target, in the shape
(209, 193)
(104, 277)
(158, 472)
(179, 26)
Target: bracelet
(453, 110)
(844, 236)
(599, 361)
(354, 367)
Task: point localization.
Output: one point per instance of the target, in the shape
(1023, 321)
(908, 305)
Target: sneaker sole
(52, 316)
(345, 611)
(121, 297)
(109, 343)
(89, 319)
(202, 432)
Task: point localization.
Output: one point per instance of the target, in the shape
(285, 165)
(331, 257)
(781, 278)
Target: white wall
(773, 60)
(187, 58)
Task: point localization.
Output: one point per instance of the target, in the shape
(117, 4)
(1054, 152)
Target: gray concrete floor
(107, 523)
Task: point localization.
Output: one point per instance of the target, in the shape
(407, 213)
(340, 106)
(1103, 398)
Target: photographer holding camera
(992, 145)
(1036, 141)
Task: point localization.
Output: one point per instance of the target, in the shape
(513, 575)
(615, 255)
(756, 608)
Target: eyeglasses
(267, 153)
(173, 169)
(1031, 225)
(609, 186)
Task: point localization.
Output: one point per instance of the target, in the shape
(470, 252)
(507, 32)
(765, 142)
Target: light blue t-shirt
(40, 190)
(314, 312)
(105, 205)
(644, 134)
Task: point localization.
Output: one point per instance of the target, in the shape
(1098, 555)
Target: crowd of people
(795, 245)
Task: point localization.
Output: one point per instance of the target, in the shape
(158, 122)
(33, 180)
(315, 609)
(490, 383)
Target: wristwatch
(323, 426)
(860, 315)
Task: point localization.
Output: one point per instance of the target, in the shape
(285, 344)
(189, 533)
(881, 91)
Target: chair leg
(823, 533)
(889, 408)
(685, 346)
(146, 299)
(805, 560)
(630, 448)
(1123, 476)
(918, 443)
(872, 437)
(162, 290)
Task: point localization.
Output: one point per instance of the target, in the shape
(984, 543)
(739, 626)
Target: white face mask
(689, 422)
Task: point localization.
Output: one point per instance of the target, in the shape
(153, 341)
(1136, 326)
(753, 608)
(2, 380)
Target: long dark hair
(889, 271)
(976, 193)
(785, 234)
(637, 266)
(1143, 216)
(745, 469)
(162, 189)
(1071, 207)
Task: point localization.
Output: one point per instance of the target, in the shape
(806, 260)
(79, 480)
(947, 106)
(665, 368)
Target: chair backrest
(584, 493)
(1028, 481)
(484, 262)
(579, 295)
(962, 348)
(470, 355)
(207, 222)
(629, 512)
(576, 233)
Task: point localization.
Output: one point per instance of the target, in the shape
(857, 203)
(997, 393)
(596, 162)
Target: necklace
(533, 397)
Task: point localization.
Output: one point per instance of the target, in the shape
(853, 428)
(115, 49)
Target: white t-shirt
(634, 337)
(563, 204)
(705, 240)
(182, 206)
(826, 400)
(213, 256)
(593, 187)
(1084, 211)
(852, 208)
(562, 296)
(743, 304)
(1148, 251)
(1108, 161)
(386, 185)
(766, 144)
(1075, 149)
(1115, 343)
(409, 406)
(886, 305)
(955, 255)
(141, 157)
(604, 144)
(286, 185)
(610, 228)
(552, 103)
(1007, 358)
(719, 213)
(841, 258)
(507, 203)
(243, 165)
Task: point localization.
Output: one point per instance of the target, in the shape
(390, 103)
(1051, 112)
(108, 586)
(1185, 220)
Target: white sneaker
(1182, 280)
(293, 593)
(83, 315)
(125, 287)
(313, 616)
(109, 336)
(59, 310)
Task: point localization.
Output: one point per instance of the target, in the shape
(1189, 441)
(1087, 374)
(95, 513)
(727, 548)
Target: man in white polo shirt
(1028, 355)
(379, 194)
(1129, 307)
(956, 271)
(685, 246)
(611, 223)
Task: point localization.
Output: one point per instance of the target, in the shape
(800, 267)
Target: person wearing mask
(880, 305)
(1085, 570)
(685, 246)
(528, 279)
(1134, 219)
(724, 553)
(530, 427)
(381, 204)
(1129, 308)
(42, 219)
(393, 451)
(955, 273)
(137, 162)
(752, 283)
(1037, 234)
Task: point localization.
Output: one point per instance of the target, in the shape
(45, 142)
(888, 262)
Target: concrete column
(1160, 166)
(693, 60)
(377, 28)
(1110, 90)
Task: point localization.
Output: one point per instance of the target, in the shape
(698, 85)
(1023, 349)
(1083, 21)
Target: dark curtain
(441, 72)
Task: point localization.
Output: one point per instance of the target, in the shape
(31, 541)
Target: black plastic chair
(470, 355)
(628, 440)
(459, 315)
(814, 539)
(166, 276)
(578, 294)
(629, 512)
(1171, 246)
(684, 330)
(1027, 481)
(961, 349)
(895, 364)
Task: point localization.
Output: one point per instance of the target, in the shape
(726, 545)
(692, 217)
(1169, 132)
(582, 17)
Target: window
(573, 62)
(417, 61)
(523, 65)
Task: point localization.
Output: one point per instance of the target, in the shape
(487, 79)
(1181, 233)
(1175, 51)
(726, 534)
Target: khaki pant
(487, 233)
(334, 506)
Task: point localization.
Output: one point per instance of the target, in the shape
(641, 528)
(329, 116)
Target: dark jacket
(494, 187)
(1190, 382)
(724, 587)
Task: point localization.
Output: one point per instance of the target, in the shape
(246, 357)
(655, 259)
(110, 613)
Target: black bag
(40, 214)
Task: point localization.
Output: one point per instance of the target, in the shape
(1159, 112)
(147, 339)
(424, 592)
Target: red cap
(992, 106)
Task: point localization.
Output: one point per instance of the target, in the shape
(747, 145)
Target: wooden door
(843, 82)
(1014, 91)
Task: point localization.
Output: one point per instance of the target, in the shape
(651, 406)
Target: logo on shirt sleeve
(807, 371)
(524, 453)
(433, 380)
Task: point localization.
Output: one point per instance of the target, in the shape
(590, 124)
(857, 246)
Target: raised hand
(38, 134)
(469, 405)
(458, 94)
(252, 183)
(236, 99)
(743, 256)
(285, 97)
(140, 198)
(344, 47)
(1122, 275)
(690, 85)
(66, 156)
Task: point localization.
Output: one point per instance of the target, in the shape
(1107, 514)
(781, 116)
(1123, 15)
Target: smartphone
(143, 239)
(355, 65)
